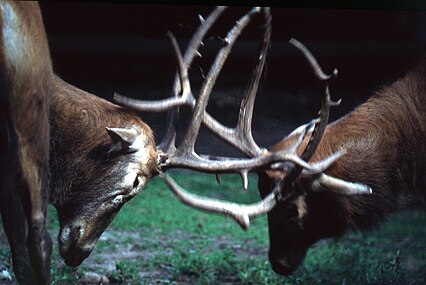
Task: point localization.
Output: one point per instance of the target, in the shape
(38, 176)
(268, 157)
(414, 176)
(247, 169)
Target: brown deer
(88, 156)
(378, 148)
(59, 143)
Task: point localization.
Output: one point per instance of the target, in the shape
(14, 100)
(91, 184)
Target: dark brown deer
(85, 155)
(378, 146)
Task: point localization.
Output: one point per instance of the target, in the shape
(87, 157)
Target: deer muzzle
(73, 246)
(286, 264)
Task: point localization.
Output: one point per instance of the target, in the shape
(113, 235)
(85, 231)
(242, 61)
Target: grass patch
(160, 210)
(157, 240)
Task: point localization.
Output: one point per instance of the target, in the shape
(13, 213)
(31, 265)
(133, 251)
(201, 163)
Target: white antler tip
(335, 72)
(244, 177)
(243, 220)
(363, 189)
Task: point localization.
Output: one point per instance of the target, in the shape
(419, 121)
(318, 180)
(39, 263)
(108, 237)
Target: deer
(348, 175)
(87, 156)
(61, 145)
(91, 156)
(385, 144)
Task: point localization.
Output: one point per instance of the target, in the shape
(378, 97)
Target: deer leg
(34, 196)
(15, 226)
(25, 174)
(23, 206)
(12, 212)
(39, 243)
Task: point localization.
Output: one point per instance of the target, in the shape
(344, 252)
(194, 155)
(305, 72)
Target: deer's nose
(76, 256)
(281, 266)
(286, 262)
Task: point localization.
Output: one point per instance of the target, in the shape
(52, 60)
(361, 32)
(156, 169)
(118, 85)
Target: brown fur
(78, 120)
(84, 166)
(53, 141)
(25, 78)
(385, 139)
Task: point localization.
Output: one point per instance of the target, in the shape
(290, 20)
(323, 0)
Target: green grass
(164, 212)
(174, 243)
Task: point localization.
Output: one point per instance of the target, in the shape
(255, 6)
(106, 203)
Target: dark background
(108, 47)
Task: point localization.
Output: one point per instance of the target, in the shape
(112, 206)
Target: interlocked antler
(334, 184)
(184, 155)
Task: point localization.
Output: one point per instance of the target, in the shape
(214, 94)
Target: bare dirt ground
(101, 266)
(105, 260)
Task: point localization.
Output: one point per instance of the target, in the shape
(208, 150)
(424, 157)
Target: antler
(184, 156)
(240, 136)
(335, 185)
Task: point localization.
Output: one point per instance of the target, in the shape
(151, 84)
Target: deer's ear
(123, 139)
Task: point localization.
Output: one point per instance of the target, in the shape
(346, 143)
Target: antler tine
(200, 107)
(317, 168)
(312, 61)
(324, 113)
(197, 39)
(181, 88)
(320, 125)
(244, 126)
(191, 52)
(241, 136)
(168, 144)
(152, 106)
(182, 97)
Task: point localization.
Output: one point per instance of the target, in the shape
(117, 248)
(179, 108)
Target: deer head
(101, 157)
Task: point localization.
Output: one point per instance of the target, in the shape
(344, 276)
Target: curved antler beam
(240, 213)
